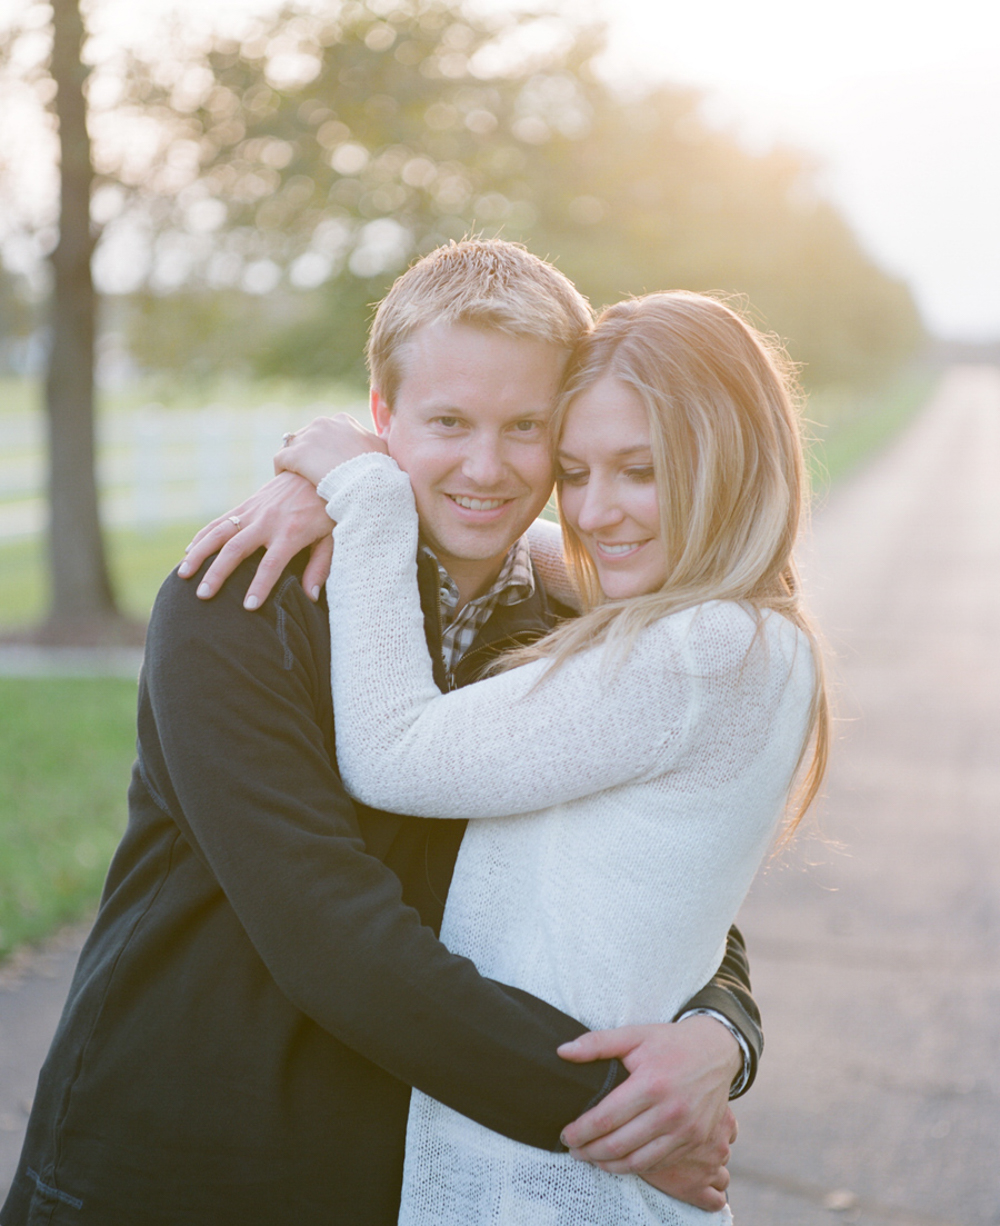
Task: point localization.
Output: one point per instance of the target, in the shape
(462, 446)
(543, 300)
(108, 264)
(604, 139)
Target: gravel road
(875, 949)
(877, 964)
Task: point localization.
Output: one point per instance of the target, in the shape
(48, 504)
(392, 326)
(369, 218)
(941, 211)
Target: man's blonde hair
(487, 283)
(730, 477)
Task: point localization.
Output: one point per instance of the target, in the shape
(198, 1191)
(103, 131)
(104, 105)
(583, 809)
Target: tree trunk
(83, 607)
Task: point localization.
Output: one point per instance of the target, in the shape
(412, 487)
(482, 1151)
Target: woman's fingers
(283, 518)
(326, 442)
(207, 541)
(317, 569)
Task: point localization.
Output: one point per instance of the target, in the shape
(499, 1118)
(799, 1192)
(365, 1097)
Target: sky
(900, 104)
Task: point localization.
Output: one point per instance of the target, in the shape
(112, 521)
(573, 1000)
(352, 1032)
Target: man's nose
(483, 462)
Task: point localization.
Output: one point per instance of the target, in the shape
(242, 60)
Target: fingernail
(187, 547)
(184, 569)
(251, 603)
(204, 590)
(562, 1140)
(314, 593)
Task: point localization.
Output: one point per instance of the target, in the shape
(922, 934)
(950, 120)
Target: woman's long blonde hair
(721, 399)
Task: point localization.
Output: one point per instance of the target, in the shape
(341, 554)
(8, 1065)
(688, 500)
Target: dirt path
(877, 966)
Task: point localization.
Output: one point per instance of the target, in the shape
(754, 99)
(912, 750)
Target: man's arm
(239, 755)
(728, 996)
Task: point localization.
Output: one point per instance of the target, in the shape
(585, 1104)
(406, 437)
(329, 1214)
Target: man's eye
(449, 423)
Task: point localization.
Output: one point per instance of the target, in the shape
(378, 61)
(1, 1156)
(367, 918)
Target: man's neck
(471, 577)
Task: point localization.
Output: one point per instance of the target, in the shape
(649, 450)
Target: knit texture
(623, 808)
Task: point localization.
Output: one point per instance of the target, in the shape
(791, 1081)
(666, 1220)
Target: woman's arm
(513, 743)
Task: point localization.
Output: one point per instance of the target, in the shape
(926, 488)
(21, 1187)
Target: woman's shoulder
(721, 635)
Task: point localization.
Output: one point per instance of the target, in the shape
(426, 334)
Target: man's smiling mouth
(478, 504)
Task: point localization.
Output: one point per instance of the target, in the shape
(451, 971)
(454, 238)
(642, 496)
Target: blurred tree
(307, 163)
(82, 608)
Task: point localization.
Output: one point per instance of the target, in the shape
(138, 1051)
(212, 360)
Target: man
(263, 982)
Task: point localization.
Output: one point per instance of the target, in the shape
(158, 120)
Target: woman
(628, 772)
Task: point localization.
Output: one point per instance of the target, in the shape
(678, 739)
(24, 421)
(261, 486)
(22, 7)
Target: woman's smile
(608, 490)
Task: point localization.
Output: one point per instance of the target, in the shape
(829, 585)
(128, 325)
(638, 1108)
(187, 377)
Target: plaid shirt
(516, 582)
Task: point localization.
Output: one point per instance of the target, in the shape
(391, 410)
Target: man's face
(470, 428)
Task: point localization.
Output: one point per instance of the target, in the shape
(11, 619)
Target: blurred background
(241, 181)
(199, 206)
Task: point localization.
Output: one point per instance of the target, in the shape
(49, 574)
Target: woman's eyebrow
(622, 451)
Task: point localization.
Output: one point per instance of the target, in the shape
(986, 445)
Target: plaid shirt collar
(514, 584)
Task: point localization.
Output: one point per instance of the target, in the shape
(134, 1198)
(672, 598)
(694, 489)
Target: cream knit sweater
(620, 813)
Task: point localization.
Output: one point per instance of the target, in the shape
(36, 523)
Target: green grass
(139, 562)
(65, 751)
(849, 427)
(66, 745)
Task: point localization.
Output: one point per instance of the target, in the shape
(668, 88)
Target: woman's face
(608, 491)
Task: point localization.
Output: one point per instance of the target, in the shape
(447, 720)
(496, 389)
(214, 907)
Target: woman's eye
(641, 474)
(528, 426)
(576, 477)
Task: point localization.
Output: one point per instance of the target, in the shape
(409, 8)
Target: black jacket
(263, 982)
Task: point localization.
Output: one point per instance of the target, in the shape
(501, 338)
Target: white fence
(155, 465)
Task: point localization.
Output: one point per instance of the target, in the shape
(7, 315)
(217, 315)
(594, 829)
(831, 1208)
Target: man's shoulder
(550, 609)
(178, 614)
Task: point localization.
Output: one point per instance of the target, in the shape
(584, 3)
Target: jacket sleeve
(240, 758)
(729, 993)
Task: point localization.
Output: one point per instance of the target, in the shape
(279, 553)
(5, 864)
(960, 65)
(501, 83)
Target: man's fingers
(317, 569)
(637, 1146)
(622, 1105)
(702, 1195)
(643, 1146)
(601, 1045)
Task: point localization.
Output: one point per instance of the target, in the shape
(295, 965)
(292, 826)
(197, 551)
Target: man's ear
(381, 413)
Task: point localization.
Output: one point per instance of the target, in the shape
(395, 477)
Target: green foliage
(65, 750)
(336, 147)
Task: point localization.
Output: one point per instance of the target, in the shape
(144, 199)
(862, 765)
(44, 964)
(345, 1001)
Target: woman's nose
(598, 509)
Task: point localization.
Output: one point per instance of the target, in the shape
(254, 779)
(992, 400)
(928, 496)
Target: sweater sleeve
(517, 742)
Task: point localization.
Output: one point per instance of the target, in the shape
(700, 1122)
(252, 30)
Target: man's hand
(670, 1122)
(286, 516)
(325, 443)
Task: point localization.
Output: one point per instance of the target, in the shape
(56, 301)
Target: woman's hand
(323, 444)
(285, 516)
